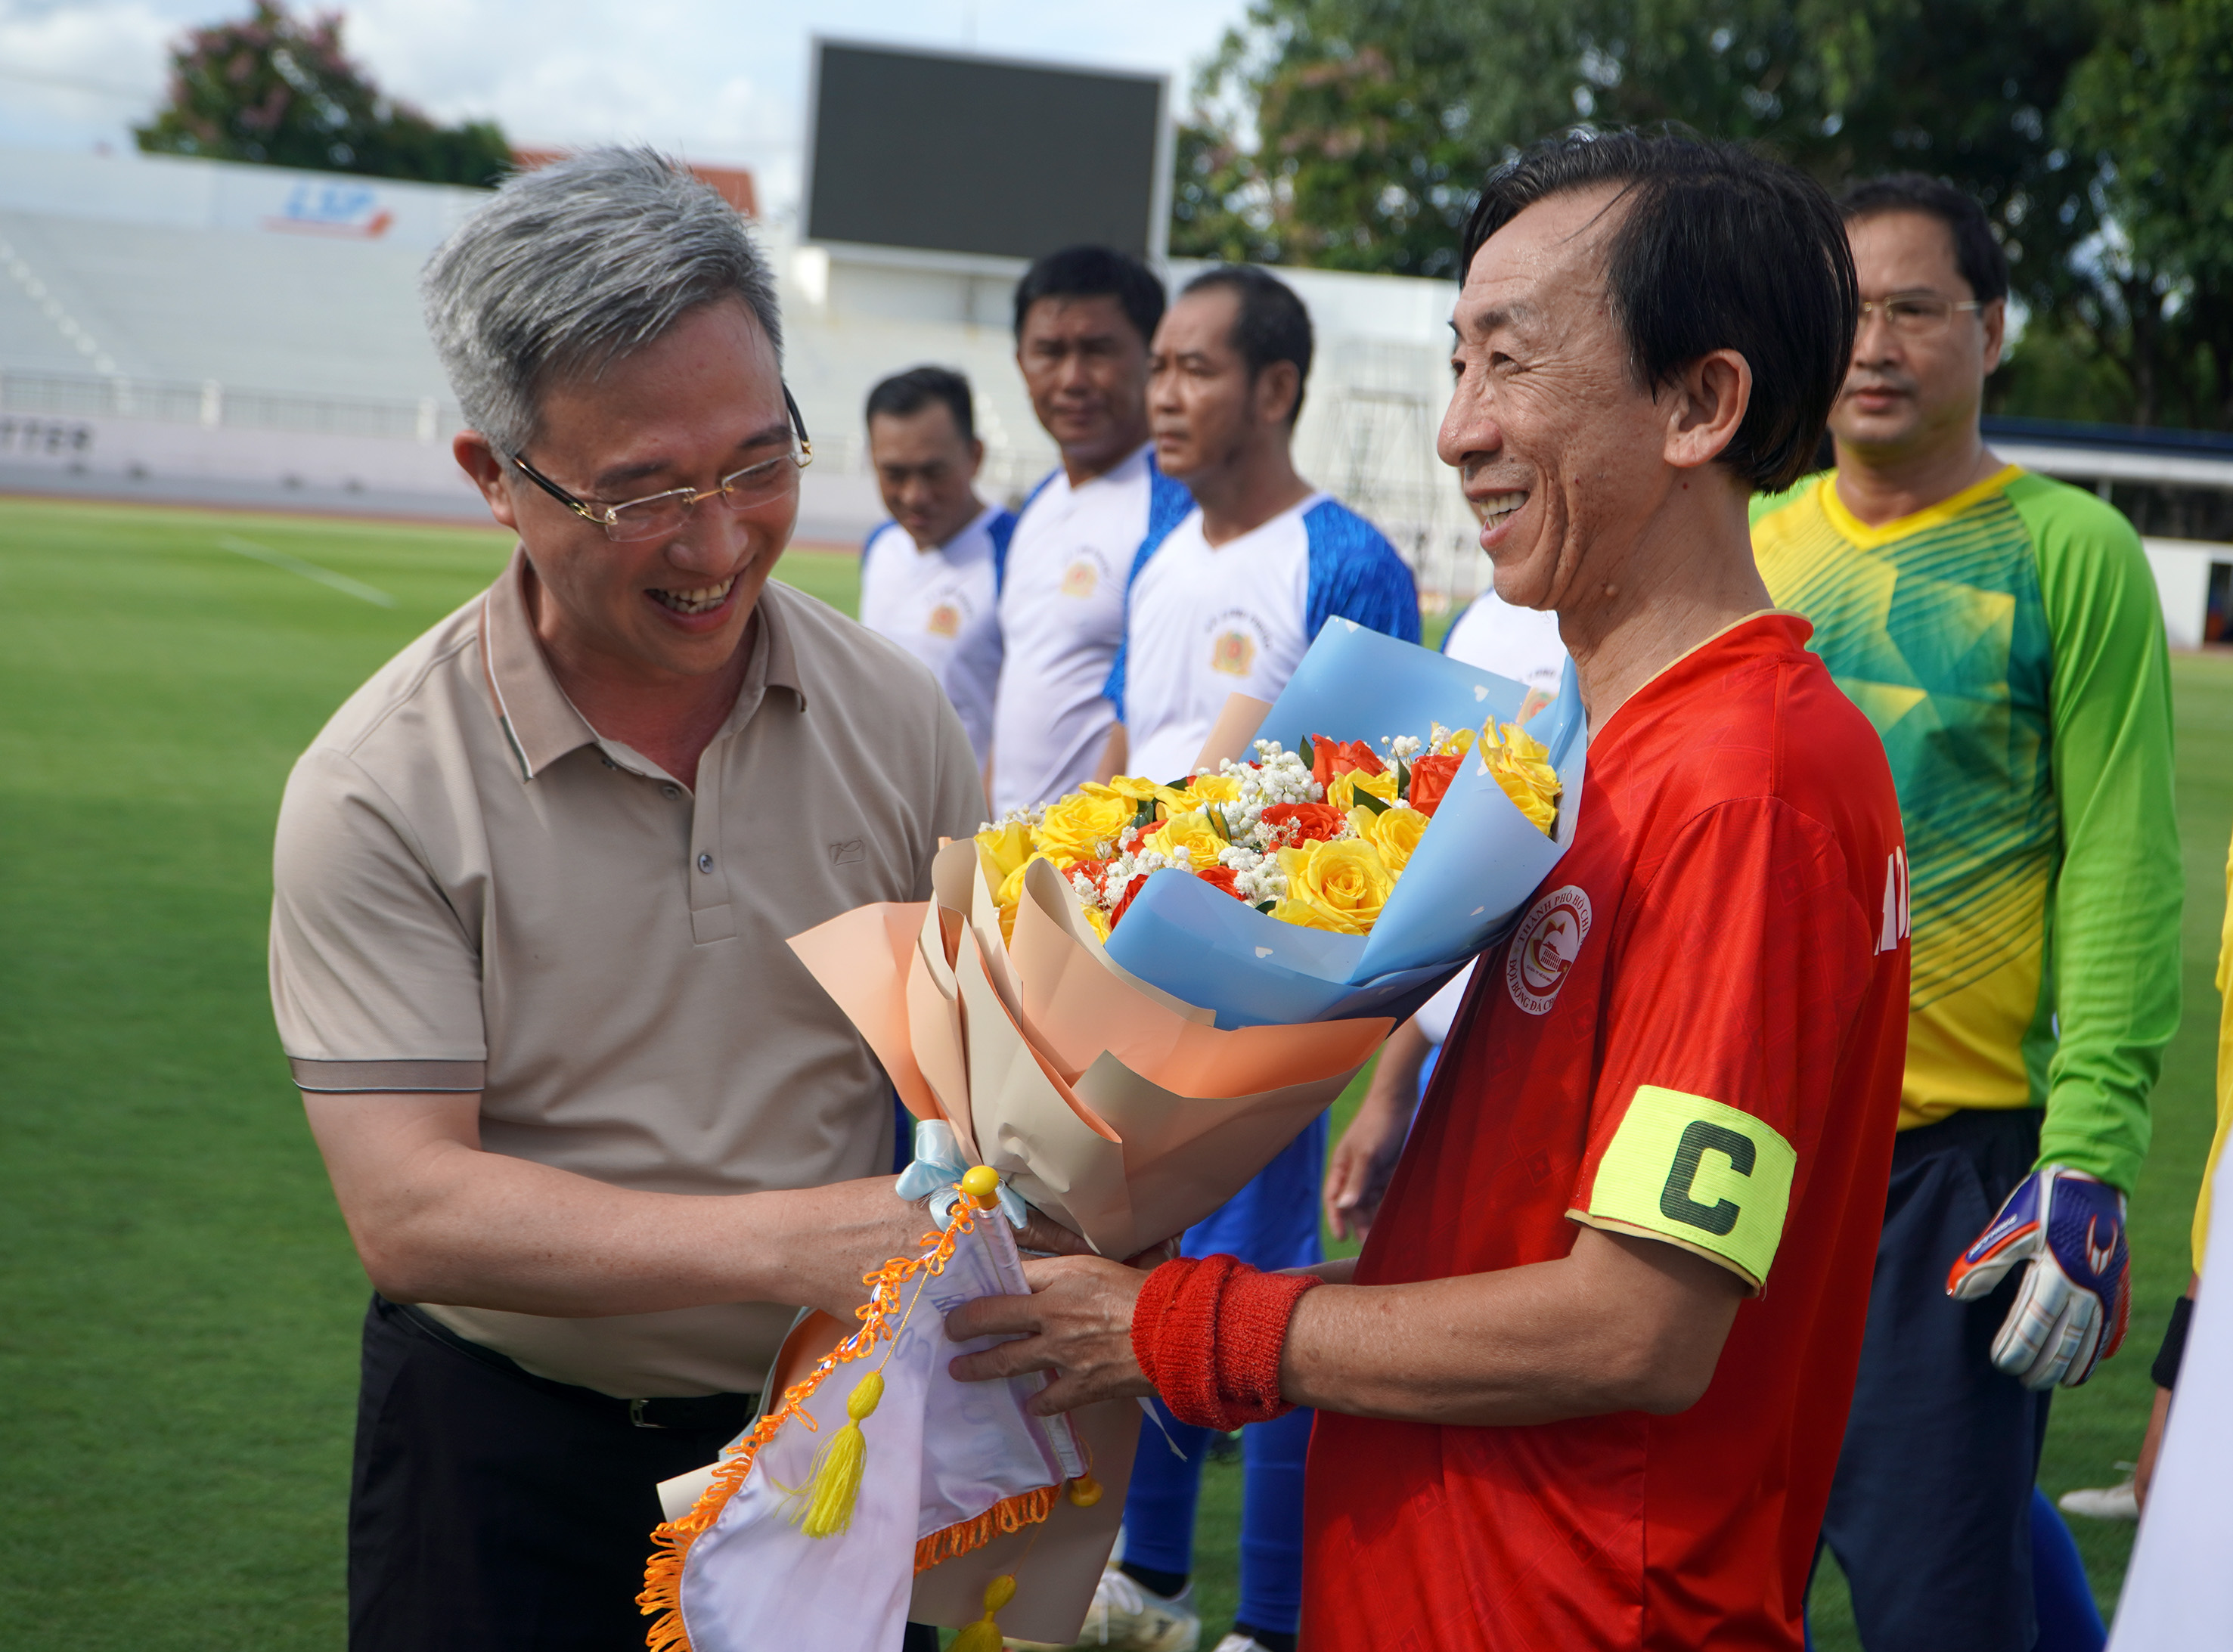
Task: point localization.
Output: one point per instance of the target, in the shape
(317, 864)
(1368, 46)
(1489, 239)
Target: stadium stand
(192, 330)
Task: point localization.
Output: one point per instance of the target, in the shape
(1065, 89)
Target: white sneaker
(1241, 1644)
(1127, 1616)
(2118, 1502)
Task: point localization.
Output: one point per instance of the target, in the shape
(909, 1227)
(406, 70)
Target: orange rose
(1330, 758)
(1311, 823)
(1334, 758)
(1222, 877)
(1431, 778)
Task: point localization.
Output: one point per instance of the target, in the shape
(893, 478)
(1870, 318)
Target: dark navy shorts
(1930, 1515)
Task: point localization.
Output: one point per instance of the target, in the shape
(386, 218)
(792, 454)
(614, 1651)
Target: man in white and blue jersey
(929, 577)
(1083, 317)
(1226, 600)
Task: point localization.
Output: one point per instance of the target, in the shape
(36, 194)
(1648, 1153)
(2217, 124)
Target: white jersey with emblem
(1062, 615)
(941, 605)
(1522, 644)
(1208, 622)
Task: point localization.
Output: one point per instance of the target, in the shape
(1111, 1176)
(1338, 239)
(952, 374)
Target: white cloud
(719, 83)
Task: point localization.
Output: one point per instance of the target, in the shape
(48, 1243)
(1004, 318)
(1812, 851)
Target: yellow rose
(1081, 825)
(1521, 765)
(1216, 788)
(1097, 921)
(1010, 894)
(1345, 880)
(1002, 849)
(1393, 833)
(1175, 800)
(1188, 837)
(1450, 744)
(1341, 790)
(1303, 916)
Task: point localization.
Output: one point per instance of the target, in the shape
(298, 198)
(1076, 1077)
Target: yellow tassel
(834, 1484)
(1085, 1490)
(984, 1636)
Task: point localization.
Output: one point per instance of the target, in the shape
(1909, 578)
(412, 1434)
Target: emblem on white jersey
(945, 620)
(1894, 929)
(1234, 653)
(1544, 946)
(1079, 578)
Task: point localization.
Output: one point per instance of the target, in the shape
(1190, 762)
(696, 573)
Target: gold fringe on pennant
(1009, 1514)
(663, 1575)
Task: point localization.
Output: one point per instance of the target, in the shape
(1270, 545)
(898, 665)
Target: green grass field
(179, 1302)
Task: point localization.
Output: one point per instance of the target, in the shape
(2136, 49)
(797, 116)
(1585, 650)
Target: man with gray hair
(595, 1133)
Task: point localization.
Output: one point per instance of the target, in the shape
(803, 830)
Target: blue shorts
(1273, 1221)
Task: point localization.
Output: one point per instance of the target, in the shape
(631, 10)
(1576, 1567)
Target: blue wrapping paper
(1476, 867)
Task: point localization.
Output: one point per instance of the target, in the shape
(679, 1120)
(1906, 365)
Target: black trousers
(1931, 1513)
(492, 1509)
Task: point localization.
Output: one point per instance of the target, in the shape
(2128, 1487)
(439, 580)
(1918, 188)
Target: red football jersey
(1696, 1033)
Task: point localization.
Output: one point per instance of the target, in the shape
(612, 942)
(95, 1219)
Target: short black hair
(1976, 254)
(1094, 272)
(1721, 249)
(911, 392)
(1272, 325)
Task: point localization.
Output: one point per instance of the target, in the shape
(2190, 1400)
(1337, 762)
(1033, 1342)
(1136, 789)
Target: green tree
(1374, 121)
(277, 89)
(2151, 112)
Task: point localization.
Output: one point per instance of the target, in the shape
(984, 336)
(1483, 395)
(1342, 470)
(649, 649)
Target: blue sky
(720, 82)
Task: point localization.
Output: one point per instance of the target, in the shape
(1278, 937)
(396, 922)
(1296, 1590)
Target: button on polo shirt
(474, 892)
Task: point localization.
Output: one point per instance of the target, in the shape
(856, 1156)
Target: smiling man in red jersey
(1584, 1387)
(595, 1132)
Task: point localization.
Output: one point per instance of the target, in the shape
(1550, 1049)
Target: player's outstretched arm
(1358, 1169)
(1621, 1323)
(437, 1218)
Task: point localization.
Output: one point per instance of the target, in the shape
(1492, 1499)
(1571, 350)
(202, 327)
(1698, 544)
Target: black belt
(724, 1413)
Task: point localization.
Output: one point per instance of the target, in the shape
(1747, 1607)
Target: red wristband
(1208, 1333)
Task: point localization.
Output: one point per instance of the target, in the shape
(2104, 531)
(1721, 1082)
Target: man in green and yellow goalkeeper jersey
(2002, 632)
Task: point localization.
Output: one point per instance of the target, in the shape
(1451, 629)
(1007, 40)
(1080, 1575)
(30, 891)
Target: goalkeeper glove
(2071, 1310)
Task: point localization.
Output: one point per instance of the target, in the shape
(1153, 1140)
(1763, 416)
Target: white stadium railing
(213, 404)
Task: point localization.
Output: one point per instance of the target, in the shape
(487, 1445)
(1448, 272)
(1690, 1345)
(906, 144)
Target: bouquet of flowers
(1118, 1008)
(1317, 838)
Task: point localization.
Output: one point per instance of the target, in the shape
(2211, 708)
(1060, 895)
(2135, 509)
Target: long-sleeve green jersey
(2008, 646)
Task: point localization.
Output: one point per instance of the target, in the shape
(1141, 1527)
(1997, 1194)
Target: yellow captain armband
(1697, 1174)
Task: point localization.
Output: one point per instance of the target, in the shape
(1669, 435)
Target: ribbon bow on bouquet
(938, 1170)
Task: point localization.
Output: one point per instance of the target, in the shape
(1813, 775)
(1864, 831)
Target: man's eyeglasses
(656, 514)
(1914, 315)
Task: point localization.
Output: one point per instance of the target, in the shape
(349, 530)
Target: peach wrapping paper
(1106, 1103)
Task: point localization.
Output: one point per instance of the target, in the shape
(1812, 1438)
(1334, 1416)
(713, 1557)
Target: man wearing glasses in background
(595, 1133)
(2003, 633)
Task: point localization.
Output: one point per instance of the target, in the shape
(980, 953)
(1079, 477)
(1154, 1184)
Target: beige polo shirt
(473, 891)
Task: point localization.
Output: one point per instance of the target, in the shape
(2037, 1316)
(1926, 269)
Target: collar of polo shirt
(543, 724)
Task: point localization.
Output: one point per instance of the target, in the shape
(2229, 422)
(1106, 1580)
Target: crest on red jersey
(1544, 946)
